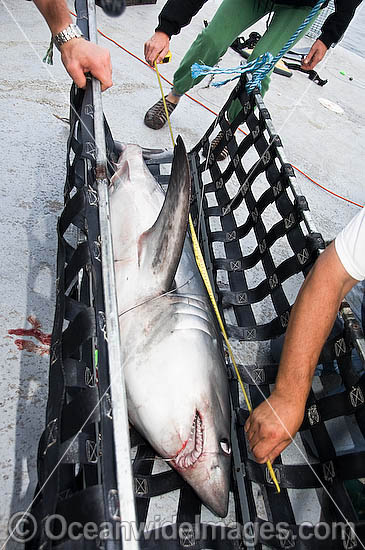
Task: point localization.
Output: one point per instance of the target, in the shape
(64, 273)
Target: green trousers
(231, 19)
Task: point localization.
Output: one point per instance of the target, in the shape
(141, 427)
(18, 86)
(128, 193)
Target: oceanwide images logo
(22, 527)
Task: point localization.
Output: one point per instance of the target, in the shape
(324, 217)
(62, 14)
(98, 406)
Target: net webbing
(259, 241)
(73, 480)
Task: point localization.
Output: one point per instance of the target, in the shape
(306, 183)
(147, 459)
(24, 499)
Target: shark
(172, 354)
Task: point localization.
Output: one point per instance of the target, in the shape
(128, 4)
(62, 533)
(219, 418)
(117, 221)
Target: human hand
(268, 433)
(80, 56)
(156, 48)
(315, 55)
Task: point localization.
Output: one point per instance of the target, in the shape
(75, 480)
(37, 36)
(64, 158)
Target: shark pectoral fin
(160, 247)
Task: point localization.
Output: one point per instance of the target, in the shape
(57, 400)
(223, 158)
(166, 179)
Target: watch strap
(72, 31)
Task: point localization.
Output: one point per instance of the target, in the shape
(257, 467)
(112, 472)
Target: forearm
(176, 14)
(56, 13)
(311, 320)
(273, 424)
(336, 24)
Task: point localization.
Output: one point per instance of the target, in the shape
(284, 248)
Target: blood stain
(36, 333)
(28, 345)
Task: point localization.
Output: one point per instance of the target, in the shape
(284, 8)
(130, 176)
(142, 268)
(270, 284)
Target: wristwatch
(72, 31)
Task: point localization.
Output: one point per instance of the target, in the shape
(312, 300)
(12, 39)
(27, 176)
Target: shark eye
(225, 446)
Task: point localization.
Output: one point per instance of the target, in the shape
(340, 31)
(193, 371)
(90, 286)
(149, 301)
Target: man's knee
(210, 45)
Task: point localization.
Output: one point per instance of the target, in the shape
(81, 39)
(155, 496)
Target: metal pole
(117, 383)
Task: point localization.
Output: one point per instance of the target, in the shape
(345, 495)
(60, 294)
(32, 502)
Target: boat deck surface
(328, 146)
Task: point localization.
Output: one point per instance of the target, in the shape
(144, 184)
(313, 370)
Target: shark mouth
(193, 447)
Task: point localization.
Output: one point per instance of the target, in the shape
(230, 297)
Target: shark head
(204, 460)
(199, 448)
(185, 418)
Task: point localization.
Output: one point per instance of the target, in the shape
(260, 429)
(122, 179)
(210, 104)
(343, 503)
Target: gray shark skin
(177, 389)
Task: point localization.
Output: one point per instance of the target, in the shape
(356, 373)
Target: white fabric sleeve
(350, 246)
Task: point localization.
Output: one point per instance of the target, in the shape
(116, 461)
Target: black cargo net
(76, 459)
(76, 465)
(258, 239)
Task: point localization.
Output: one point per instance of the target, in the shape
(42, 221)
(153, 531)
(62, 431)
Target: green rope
(48, 58)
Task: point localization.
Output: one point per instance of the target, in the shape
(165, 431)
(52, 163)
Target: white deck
(328, 146)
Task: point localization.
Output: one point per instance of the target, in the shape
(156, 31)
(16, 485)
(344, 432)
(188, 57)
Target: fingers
(315, 55)
(102, 72)
(266, 450)
(271, 426)
(77, 75)
(80, 57)
(154, 53)
(267, 442)
(162, 55)
(278, 450)
(98, 63)
(310, 61)
(263, 441)
(156, 48)
(149, 52)
(262, 434)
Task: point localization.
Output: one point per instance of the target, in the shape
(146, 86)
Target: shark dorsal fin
(160, 247)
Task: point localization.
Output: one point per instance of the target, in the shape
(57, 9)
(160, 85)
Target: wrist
(66, 35)
(327, 39)
(291, 395)
(162, 34)
(70, 45)
(165, 28)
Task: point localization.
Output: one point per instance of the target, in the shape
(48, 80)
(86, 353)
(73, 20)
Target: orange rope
(214, 113)
(328, 190)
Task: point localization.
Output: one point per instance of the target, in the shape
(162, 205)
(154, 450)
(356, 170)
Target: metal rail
(118, 392)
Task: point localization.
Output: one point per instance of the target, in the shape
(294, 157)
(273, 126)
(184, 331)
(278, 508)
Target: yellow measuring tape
(203, 271)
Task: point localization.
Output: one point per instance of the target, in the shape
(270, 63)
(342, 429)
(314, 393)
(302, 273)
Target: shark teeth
(193, 448)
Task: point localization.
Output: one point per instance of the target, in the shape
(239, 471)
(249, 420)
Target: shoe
(155, 117)
(224, 153)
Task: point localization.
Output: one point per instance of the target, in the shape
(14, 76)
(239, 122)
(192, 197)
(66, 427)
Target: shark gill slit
(172, 291)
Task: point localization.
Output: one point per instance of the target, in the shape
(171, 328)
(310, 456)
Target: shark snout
(214, 491)
(205, 462)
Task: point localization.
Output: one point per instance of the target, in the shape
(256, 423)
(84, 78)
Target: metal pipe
(118, 392)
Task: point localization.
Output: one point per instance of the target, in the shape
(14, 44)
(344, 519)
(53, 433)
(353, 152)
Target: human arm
(333, 29)
(273, 424)
(174, 15)
(315, 55)
(156, 48)
(336, 24)
(78, 55)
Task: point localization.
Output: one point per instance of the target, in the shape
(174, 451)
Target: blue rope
(258, 64)
(260, 67)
